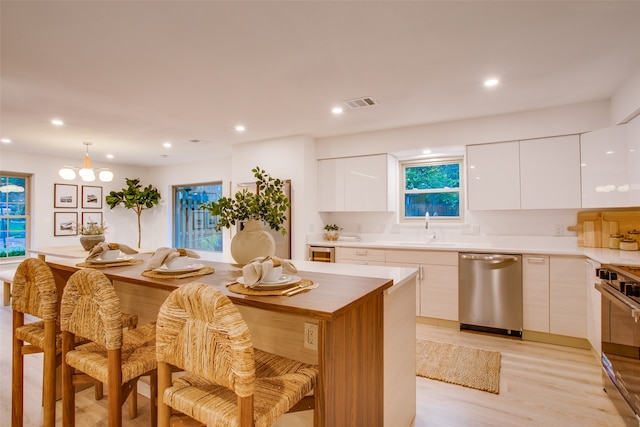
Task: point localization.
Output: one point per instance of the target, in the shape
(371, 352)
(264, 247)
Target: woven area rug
(465, 366)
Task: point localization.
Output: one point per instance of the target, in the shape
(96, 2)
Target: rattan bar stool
(34, 293)
(90, 309)
(226, 381)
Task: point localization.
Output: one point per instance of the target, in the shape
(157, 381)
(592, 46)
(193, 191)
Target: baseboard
(556, 339)
(441, 323)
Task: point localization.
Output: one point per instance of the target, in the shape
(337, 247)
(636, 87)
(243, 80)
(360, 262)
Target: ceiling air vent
(360, 103)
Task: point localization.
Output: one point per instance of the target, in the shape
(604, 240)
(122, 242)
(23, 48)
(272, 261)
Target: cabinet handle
(420, 272)
(361, 252)
(536, 260)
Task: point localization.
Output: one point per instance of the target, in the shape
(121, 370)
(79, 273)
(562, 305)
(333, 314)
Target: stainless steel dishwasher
(490, 293)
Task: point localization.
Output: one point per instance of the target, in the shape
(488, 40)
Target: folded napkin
(163, 255)
(97, 250)
(260, 267)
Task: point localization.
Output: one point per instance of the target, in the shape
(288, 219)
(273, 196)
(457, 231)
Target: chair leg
(98, 391)
(68, 390)
(49, 383)
(164, 381)
(114, 388)
(132, 401)
(153, 396)
(17, 374)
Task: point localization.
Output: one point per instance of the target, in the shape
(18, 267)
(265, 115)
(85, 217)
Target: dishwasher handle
(489, 258)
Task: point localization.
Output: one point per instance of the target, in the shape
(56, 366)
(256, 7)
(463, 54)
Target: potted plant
(267, 205)
(332, 232)
(135, 197)
(91, 234)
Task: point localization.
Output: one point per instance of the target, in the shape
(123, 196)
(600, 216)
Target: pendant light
(86, 172)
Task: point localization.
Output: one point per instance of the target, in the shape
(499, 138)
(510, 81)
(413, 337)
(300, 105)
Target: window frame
(417, 162)
(27, 214)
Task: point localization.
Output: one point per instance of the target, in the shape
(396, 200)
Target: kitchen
(535, 227)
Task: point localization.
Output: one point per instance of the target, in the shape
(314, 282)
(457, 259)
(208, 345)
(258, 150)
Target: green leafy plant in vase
(267, 205)
(332, 232)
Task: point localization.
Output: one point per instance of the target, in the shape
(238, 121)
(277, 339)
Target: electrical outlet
(475, 229)
(311, 336)
(559, 229)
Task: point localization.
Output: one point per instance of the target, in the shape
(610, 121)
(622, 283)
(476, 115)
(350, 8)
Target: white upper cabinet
(357, 184)
(550, 173)
(331, 185)
(493, 176)
(610, 159)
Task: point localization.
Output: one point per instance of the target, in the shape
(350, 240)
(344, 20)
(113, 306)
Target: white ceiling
(130, 75)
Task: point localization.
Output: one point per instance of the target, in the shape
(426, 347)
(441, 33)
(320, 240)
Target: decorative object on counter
(101, 248)
(163, 255)
(91, 234)
(634, 234)
(614, 241)
(628, 244)
(268, 205)
(260, 269)
(465, 366)
(595, 227)
(332, 232)
(135, 197)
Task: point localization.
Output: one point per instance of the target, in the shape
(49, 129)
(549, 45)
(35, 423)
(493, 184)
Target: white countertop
(508, 244)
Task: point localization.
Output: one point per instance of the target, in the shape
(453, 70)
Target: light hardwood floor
(540, 385)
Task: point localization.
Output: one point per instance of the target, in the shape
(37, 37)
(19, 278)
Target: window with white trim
(431, 186)
(14, 215)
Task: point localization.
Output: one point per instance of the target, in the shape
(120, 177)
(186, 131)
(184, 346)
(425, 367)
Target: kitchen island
(366, 333)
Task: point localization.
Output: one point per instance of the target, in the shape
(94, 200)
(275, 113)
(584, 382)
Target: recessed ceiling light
(609, 152)
(57, 122)
(6, 140)
(109, 156)
(491, 82)
(337, 110)
(426, 151)
(167, 145)
(240, 128)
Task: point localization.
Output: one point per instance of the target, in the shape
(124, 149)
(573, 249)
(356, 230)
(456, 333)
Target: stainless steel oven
(620, 289)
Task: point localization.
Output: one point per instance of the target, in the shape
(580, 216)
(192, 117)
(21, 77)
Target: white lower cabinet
(363, 256)
(554, 295)
(437, 283)
(567, 297)
(535, 293)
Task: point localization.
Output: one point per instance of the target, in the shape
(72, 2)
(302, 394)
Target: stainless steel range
(620, 289)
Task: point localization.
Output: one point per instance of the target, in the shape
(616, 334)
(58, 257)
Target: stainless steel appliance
(283, 243)
(322, 254)
(620, 289)
(490, 293)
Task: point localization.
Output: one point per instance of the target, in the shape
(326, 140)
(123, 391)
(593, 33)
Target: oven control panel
(624, 284)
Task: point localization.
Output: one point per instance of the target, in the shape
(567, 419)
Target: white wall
(565, 120)
(291, 158)
(121, 223)
(625, 104)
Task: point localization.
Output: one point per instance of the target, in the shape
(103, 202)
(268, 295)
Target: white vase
(252, 242)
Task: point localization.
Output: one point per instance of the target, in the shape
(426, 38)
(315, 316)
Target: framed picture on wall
(64, 223)
(89, 218)
(91, 197)
(65, 196)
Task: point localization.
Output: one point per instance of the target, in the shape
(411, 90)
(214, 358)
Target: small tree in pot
(135, 197)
